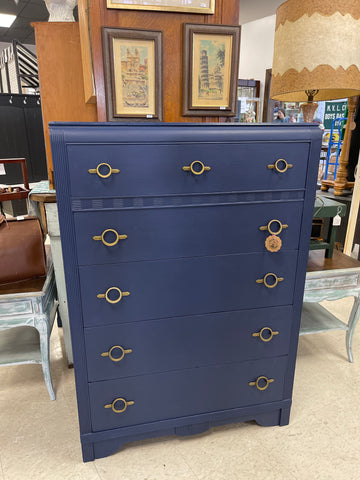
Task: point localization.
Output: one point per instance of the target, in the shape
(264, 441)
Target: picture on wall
(189, 6)
(210, 70)
(132, 71)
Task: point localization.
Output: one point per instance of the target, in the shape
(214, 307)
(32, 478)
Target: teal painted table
(27, 313)
(327, 208)
(330, 279)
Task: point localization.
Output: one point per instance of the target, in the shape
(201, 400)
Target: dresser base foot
(277, 417)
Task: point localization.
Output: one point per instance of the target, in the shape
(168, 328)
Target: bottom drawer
(184, 393)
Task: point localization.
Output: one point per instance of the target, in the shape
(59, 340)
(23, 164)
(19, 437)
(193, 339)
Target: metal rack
(18, 70)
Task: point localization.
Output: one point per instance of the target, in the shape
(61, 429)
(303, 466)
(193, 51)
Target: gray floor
(39, 438)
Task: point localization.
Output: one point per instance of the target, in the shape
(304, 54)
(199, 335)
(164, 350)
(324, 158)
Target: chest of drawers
(182, 316)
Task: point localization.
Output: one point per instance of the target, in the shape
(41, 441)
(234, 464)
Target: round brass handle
(191, 168)
(269, 227)
(258, 382)
(116, 359)
(278, 163)
(106, 295)
(261, 334)
(119, 410)
(109, 244)
(104, 175)
(265, 280)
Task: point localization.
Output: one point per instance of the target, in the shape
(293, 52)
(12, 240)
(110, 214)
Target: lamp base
(308, 110)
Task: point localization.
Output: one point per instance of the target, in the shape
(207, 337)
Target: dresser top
(156, 132)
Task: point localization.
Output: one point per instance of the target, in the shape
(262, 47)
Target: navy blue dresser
(185, 249)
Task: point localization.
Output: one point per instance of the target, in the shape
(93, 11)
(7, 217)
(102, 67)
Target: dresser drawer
(244, 167)
(186, 392)
(160, 233)
(184, 342)
(186, 286)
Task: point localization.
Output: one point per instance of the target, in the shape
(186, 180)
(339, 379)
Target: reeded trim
(332, 83)
(292, 10)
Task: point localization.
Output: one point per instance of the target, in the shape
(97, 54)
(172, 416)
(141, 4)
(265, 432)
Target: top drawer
(157, 169)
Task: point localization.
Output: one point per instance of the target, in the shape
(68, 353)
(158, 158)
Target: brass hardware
(106, 295)
(97, 170)
(114, 359)
(277, 168)
(108, 244)
(264, 329)
(273, 243)
(191, 168)
(117, 410)
(265, 282)
(258, 380)
(269, 228)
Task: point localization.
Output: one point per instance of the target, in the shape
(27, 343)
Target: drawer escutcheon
(269, 228)
(103, 175)
(192, 168)
(280, 165)
(106, 295)
(265, 280)
(119, 410)
(115, 359)
(261, 334)
(109, 244)
(258, 382)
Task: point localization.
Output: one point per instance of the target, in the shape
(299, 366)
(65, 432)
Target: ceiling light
(6, 20)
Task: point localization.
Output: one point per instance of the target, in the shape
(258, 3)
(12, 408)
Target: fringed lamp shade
(316, 51)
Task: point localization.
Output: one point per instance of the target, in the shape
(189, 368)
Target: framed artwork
(190, 6)
(133, 74)
(210, 69)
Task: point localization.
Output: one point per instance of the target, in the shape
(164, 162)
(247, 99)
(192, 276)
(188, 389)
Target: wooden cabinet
(181, 317)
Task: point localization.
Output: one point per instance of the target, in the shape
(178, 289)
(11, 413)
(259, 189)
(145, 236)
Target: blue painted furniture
(181, 319)
(27, 313)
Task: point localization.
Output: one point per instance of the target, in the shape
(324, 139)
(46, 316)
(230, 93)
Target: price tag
(222, 108)
(2, 169)
(336, 221)
(149, 116)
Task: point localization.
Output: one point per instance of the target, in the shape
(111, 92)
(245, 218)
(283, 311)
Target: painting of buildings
(211, 70)
(134, 76)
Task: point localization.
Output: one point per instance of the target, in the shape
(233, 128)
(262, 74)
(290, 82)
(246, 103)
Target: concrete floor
(39, 439)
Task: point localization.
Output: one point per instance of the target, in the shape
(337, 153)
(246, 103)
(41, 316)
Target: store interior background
(40, 439)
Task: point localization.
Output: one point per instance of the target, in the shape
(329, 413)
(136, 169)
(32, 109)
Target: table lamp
(316, 52)
(317, 57)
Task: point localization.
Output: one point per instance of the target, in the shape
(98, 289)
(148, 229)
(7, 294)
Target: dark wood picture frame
(196, 77)
(135, 94)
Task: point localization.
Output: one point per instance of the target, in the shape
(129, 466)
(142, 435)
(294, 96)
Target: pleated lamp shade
(316, 50)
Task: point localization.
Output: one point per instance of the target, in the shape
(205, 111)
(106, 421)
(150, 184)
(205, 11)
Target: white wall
(256, 51)
(251, 10)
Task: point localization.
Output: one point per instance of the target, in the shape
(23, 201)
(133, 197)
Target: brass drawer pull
(109, 244)
(102, 175)
(106, 295)
(258, 382)
(119, 410)
(116, 359)
(192, 167)
(265, 280)
(261, 334)
(280, 165)
(269, 227)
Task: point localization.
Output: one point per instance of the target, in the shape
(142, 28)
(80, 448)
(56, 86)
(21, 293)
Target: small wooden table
(330, 279)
